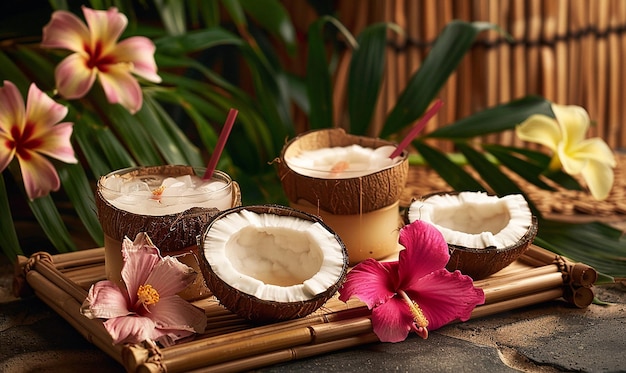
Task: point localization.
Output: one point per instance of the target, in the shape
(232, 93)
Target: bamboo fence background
(568, 51)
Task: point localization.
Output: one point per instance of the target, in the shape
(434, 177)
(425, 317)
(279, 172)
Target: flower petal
(105, 301)
(175, 313)
(7, 151)
(140, 51)
(42, 111)
(392, 321)
(65, 31)
(73, 77)
(129, 329)
(12, 109)
(426, 251)
(121, 87)
(540, 129)
(105, 27)
(574, 122)
(169, 276)
(371, 281)
(444, 297)
(140, 257)
(40, 176)
(599, 178)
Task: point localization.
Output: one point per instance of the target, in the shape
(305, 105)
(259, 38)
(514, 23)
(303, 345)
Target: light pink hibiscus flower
(416, 292)
(30, 133)
(97, 54)
(148, 308)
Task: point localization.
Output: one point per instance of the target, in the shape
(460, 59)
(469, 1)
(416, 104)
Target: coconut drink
(170, 203)
(485, 233)
(271, 262)
(351, 183)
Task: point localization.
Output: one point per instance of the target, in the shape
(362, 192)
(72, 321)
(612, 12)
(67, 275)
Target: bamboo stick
(602, 63)
(68, 307)
(561, 46)
(614, 118)
(510, 304)
(291, 354)
(516, 288)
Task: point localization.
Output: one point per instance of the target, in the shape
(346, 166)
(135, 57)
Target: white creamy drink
(342, 162)
(164, 195)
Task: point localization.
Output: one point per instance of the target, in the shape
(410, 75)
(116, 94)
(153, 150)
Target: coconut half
(271, 263)
(485, 233)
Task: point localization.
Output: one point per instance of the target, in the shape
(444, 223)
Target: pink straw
(217, 152)
(419, 126)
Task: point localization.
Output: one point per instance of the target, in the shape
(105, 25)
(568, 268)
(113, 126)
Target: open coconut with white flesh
(271, 262)
(485, 233)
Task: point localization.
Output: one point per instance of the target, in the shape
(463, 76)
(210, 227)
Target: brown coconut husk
(259, 310)
(170, 233)
(341, 196)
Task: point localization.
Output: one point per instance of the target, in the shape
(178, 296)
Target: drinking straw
(417, 128)
(217, 152)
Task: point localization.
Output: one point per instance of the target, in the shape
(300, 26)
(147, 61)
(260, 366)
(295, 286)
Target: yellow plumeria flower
(565, 136)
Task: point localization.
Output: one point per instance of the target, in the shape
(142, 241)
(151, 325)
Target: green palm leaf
(447, 52)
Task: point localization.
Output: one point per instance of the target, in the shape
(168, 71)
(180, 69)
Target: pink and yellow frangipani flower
(148, 307)
(98, 55)
(415, 293)
(30, 132)
(565, 135)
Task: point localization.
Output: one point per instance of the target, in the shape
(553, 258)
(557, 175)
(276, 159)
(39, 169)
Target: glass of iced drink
(170, 203)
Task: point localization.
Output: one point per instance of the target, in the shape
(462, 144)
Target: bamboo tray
(233, 344)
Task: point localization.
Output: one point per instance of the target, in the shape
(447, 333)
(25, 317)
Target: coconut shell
(341, 196)
(479, 263)
(170, 233)
(259, 310)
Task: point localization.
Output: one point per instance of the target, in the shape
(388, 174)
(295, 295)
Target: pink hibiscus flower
(416, 292)
(97, 54)
(148, 308)
(30, 132)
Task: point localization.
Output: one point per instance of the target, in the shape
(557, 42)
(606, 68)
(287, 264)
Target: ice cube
(153, 181)
(187, 180)
(113, 183)
(135, 187)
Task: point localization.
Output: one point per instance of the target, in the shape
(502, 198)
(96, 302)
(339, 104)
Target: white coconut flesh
(475, 219)
(342, 162)
(273, 257)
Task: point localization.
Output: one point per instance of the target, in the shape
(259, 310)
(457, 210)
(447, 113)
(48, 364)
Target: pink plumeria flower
(565, 135)
(415, 293)
(97, 54)
(148, 308)
(30, 133)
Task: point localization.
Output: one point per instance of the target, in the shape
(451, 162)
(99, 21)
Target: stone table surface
(548, 337)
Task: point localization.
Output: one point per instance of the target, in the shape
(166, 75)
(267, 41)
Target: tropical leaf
(45, 211)
(451, 172)
(79, 191)
(318, 74)
(449, 49)
(596, 244)
(9, 243)
(365, 76)
(496, 119)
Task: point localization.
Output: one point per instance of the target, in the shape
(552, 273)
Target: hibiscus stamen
(418, 315)
(148, 295)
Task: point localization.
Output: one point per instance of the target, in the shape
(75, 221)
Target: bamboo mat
(569, 52)
(559, 204)
(230, 343)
